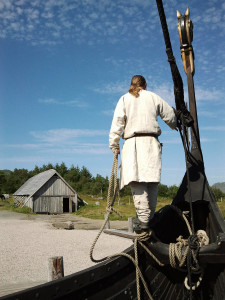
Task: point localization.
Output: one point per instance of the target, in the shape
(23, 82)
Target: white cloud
(73, 103)
(165, 91)
(97, 149)
(23, 146)
(98, 20)
(52, 145)
(112, 88)
(212, 113)
(108, 112)
(206, 94)
(47, 101)
(63, 135)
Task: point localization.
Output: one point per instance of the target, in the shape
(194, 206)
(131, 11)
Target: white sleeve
(118, 124)
(167, 113)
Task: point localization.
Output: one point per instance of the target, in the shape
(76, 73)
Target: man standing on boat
(135, 119)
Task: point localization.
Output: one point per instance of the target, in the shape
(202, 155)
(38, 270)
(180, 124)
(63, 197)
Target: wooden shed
(48, 193)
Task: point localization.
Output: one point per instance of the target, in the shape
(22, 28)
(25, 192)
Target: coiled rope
(184, 253)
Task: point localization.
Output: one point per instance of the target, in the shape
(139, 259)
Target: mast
(194, 186)
(185, 29)
(182, 112)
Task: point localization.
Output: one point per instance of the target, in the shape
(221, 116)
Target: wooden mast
(185, 29)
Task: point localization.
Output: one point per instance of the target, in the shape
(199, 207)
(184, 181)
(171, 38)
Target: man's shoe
(138, 225)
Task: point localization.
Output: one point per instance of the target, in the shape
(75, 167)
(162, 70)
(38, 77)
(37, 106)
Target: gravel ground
(27, 241)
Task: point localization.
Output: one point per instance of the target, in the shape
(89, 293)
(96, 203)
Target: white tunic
(141, 155)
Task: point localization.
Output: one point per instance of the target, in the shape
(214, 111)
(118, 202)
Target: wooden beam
(121, 233)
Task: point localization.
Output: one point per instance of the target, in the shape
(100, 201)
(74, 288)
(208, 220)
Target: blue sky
(65, 64)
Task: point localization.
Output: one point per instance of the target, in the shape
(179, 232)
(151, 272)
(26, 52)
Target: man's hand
(116, 151)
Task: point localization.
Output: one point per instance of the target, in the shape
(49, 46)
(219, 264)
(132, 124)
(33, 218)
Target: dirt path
(27, 241)
(77, 221)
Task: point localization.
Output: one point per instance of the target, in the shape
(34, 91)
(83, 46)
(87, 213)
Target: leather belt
(143, 134)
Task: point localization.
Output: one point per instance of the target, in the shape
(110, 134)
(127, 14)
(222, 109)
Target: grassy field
(125, 207)
(221, 206)
(96, 207)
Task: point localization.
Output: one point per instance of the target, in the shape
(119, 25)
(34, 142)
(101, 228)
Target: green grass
(93, 211)
(221, 206)
(8, 204)
(125, 207)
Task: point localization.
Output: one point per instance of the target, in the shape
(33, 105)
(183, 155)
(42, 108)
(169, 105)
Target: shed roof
(32, 185)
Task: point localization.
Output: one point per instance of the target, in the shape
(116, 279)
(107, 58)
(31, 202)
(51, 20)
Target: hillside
(220, 185)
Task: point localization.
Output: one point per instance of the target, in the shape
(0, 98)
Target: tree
(61, 169)
(85, 173)
(126, 191)
(16, 178)
(218, 194)
(3, 181)
(43, 168)
(172, 191)
(162, 190)
(73, 174)
(34, 172)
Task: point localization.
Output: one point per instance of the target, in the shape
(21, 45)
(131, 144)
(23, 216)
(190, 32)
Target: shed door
(66, 207)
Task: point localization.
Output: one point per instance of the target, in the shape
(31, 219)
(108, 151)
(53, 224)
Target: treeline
(80, 179)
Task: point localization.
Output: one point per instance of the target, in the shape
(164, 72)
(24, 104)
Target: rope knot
(193, 242)
(109, 209)
(202, 238)
(143, 236)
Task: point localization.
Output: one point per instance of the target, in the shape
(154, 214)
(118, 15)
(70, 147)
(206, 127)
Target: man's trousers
(145, 198)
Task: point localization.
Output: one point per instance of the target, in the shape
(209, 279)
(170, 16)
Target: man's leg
(152, 197)
(141, 202)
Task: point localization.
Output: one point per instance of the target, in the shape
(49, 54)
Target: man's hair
(138, 83)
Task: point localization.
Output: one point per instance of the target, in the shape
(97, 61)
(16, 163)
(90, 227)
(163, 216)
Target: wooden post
(107, 225)
(55, 268)
(118, 197)
(130, 225)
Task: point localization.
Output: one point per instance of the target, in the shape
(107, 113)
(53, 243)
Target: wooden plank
(121, 233)
(130, 225)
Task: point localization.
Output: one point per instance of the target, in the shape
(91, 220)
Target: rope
(187, 153)
(184, 253)
(109, 208)
(139, 239)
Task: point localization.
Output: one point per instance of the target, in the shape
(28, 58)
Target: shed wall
(49, 198)
(52, 205)
(20, 198)
(55, 187)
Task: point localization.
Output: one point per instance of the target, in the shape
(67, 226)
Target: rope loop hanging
(109, 207)
(137, 240)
